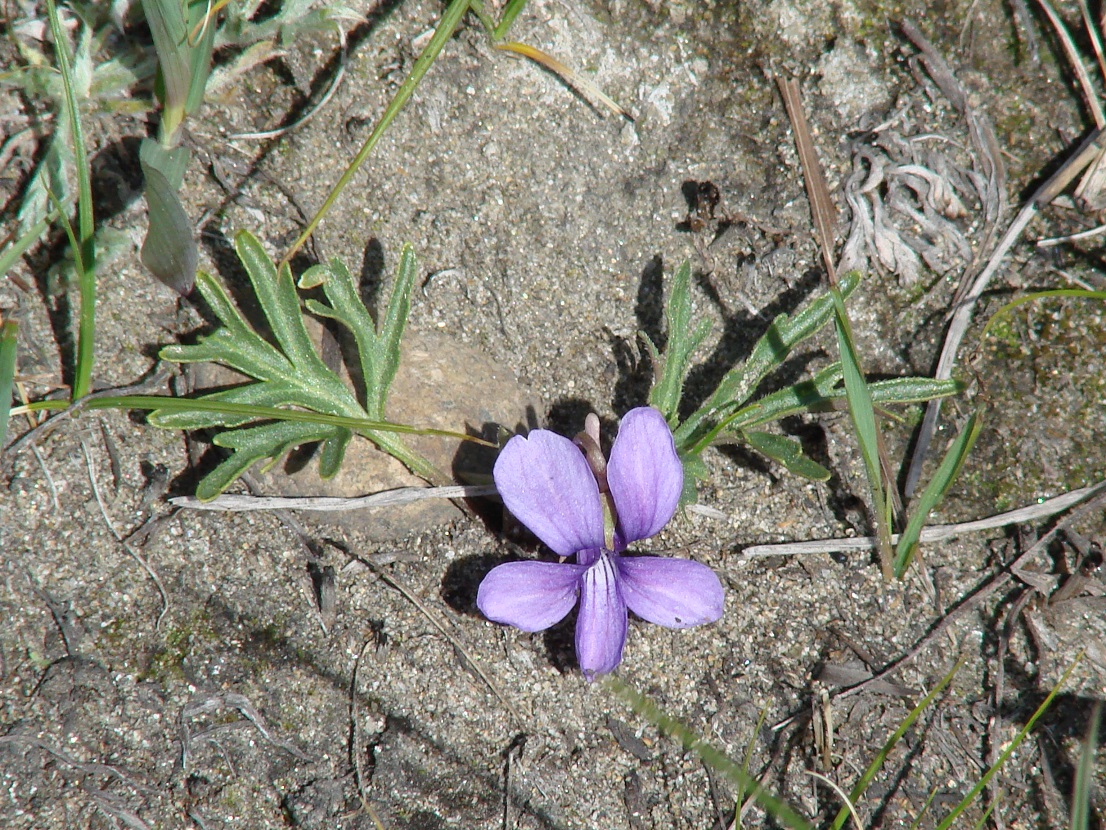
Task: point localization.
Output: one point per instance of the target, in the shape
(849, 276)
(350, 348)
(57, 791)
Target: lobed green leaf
(770, 351)
(268, 442)
(683, 340)
(789, 453)
(386, 355)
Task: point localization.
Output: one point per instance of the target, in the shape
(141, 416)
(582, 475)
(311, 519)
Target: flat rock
(441, 384)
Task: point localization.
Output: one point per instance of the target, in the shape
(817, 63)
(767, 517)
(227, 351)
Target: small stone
(441, 384)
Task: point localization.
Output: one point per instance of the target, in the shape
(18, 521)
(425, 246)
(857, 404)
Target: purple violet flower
(561, 492)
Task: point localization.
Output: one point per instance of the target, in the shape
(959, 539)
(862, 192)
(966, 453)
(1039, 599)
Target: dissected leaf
(785, 332)
(267, 442)
(291, 373)
(377, 345)
(789, 453)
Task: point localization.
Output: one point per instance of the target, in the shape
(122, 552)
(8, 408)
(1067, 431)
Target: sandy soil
(546, 232)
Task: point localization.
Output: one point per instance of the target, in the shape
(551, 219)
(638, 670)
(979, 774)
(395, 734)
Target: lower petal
(530, 596)
(675, 593)
(601, 626)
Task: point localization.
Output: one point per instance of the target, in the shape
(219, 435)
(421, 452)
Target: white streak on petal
(601, 626)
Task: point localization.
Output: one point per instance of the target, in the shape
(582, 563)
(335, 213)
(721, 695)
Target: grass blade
(1084, 775)
(510, 12)
(881, 757)
(85, 253)
(863, 416)
(950, 819)
(9, 331)
(14, 252)
(935, 492)
(446, 27)
(709, 754)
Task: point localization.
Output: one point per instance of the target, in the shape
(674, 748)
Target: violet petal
(546, 483)
(644, 474)
(676, 593)
(529, 595)
(601, 626)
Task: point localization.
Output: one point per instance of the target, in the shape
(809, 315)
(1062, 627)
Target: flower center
(588, 442)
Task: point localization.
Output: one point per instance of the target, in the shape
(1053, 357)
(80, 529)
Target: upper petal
(529, 595)
(546, 483)
(677, 593)
(644, 474)
(601, 626)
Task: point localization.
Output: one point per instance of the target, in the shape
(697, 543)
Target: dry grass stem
(230, 502)
(934, 533)
(822, 208)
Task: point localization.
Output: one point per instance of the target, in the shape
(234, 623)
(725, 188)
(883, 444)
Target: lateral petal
(531, 596)
(546, 483)
(601, 625)
(675, 593)
(645, 475)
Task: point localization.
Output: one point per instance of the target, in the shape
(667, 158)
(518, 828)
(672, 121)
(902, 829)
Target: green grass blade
(199, 54)
(510, 12)
(935, 492)
(1080, 293)
(710, 755)
(950, 819)
(1084, 774)
(739, 795)
(9, 332)
(881, 757)
(14, 252)
(169, 28)
(85, 253)
(446, 27)
(863, 416)
(361, 425)
(274, 393)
